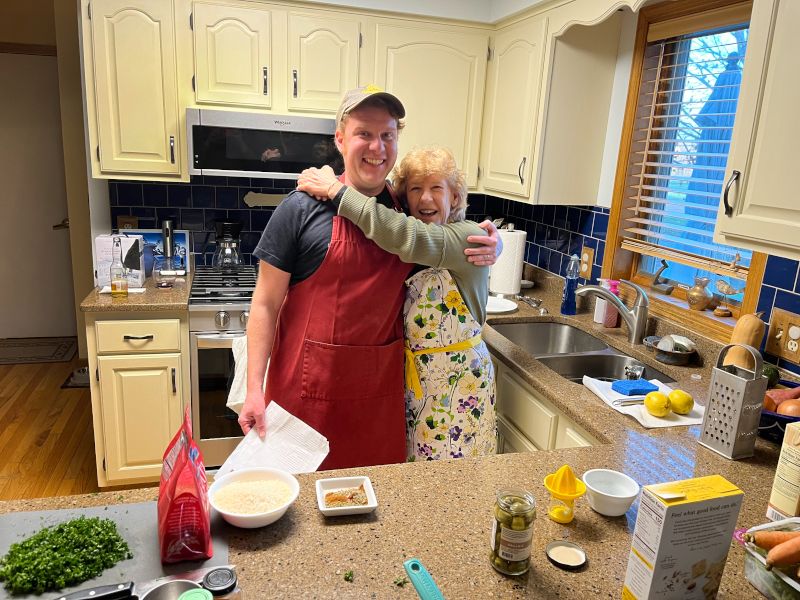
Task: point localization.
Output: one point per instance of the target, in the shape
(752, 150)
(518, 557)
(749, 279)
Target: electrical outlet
(587, 260)
(783, 338)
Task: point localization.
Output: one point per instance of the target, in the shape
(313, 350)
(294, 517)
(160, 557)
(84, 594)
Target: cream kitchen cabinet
(526, 421)
(439, 73)
(232, 55)
(511, 108)
(140, 388)
(761, 211)
(323, 60)
(131, 88)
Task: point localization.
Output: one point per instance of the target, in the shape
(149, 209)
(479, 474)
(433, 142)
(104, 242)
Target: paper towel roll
(506, 273)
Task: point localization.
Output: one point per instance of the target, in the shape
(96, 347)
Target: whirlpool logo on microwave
(282, 123)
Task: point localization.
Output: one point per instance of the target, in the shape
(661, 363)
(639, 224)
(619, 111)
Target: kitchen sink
(603, 366)
(540, 339)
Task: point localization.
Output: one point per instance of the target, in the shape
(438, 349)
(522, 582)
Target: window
(681, 109)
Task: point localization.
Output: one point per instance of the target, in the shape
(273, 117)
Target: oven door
(215, 427)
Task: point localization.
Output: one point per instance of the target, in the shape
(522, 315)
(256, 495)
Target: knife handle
(422, 580)
(117, 591)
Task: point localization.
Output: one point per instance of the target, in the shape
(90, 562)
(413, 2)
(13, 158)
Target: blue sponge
(633, 387)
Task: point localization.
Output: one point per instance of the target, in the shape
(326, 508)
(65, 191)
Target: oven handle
(216, 341)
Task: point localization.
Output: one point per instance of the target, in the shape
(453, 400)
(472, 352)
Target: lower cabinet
(140, 387)
(526, 421)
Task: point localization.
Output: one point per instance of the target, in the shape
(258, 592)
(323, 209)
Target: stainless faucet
(635, 318)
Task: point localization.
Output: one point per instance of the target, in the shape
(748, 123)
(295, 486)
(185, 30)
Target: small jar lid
(566, 555)
(220, 581)
(196, 594)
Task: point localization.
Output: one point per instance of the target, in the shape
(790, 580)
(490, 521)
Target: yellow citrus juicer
(564, 488)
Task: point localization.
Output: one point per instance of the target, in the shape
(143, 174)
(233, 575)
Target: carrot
(769, 539)
(785, 553)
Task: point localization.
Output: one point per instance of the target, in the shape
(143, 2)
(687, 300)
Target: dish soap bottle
(117, 275)
(611, 318)
(600, 304)
(570, 285)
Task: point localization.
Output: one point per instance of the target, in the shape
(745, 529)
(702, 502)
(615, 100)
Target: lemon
(681, 402)
(657, 404)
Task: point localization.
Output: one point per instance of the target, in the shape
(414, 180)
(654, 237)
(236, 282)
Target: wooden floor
(46, 440)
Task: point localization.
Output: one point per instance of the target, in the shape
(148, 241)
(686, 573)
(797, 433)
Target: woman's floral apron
(454, 415)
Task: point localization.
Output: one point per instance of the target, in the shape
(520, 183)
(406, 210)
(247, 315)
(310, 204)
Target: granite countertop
(152, 299)
(440, 512)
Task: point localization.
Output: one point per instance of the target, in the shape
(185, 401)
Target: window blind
(681, 137)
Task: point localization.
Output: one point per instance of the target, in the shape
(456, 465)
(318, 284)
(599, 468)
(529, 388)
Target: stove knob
(244, 317)
(222, 319)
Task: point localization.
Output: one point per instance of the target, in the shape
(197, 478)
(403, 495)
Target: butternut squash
(749, 329)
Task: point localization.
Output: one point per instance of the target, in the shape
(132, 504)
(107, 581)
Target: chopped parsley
(62, 555)
(400, 581)
(348, 576)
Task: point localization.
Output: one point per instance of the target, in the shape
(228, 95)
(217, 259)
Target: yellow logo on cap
(372, 89)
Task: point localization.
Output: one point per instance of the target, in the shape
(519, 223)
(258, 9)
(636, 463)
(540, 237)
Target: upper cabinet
(512, 100)
(439, 73)
(322, 60)
(232, 55)
(759, 209)
(131, 87)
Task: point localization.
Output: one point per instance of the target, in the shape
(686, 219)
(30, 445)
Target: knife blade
(121, 591)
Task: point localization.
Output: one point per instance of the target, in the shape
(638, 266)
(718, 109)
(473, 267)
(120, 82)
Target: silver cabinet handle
(734, 176)
(519, 171)
(265, 75)
(174, 387)
(294, 82)
(138, 337)
(172, 149)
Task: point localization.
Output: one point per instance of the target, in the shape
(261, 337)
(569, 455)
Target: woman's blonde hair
(434, 160)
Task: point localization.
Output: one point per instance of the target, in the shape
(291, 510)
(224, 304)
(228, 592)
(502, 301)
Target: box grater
(730, 424)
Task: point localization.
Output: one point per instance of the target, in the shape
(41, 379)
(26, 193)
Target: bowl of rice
(253, 497)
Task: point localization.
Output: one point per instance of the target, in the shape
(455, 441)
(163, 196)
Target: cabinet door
(765, 212)
(569, 435)
(133, 49)
(439, 75)
(232, 55)
(511, 440)
(511, 108)
(323, 61)
(517, 403)
(141, 407)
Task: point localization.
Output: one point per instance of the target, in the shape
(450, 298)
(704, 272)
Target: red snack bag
(184, 522)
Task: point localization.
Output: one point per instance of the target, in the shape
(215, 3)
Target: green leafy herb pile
(62, 555)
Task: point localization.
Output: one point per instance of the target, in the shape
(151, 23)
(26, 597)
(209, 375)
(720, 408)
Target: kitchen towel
(602, 389)
(238, 389)
(290, 444)
(506, 274)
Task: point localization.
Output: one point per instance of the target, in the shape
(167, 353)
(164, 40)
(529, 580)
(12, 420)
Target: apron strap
(412, 375)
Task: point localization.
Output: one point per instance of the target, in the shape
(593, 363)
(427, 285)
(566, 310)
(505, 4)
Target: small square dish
(327, 486)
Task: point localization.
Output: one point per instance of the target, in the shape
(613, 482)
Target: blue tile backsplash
(554, 232)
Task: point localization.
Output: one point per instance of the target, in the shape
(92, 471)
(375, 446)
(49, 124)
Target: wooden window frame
(623, 264)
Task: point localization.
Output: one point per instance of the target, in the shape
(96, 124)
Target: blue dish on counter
(772, 425)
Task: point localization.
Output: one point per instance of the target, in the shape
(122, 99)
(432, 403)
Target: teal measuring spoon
(422, 580)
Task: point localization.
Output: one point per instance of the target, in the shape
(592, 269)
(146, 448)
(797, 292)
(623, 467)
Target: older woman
(450, 388)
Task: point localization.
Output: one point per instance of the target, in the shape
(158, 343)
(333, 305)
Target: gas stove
(222, 286)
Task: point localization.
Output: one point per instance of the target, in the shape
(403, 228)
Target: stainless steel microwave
(242, 144)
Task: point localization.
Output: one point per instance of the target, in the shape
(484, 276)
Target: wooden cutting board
(136, 523)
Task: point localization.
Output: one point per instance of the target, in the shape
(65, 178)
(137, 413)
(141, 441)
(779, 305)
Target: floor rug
(37, 350)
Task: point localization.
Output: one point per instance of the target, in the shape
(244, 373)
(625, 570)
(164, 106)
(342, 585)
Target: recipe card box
(103, 250)
(784, 501)
(681, 539)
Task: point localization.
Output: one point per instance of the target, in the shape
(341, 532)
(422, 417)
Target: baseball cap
(355, 97)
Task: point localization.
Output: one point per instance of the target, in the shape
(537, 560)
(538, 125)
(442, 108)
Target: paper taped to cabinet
(602, 389)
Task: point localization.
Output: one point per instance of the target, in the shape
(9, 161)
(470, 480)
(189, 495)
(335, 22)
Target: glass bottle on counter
(568, 306)
(117, 275)
(512, 531)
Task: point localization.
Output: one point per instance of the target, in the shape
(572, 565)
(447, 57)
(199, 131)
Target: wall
(556, 232)
(28, 22)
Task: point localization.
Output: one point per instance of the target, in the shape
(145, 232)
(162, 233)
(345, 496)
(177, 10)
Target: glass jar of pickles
(512, 531)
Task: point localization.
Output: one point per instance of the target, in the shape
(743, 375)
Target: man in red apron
(328, 301)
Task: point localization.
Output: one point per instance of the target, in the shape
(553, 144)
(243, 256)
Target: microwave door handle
(265, 74)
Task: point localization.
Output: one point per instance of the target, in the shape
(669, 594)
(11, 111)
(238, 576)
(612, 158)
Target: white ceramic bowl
(337, 483)
(251, 521)
(610, 493)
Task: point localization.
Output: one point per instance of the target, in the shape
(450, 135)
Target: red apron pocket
(334, 372)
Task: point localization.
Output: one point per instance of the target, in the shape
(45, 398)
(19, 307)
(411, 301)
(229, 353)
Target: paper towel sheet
(506, 274)
(602, 390)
